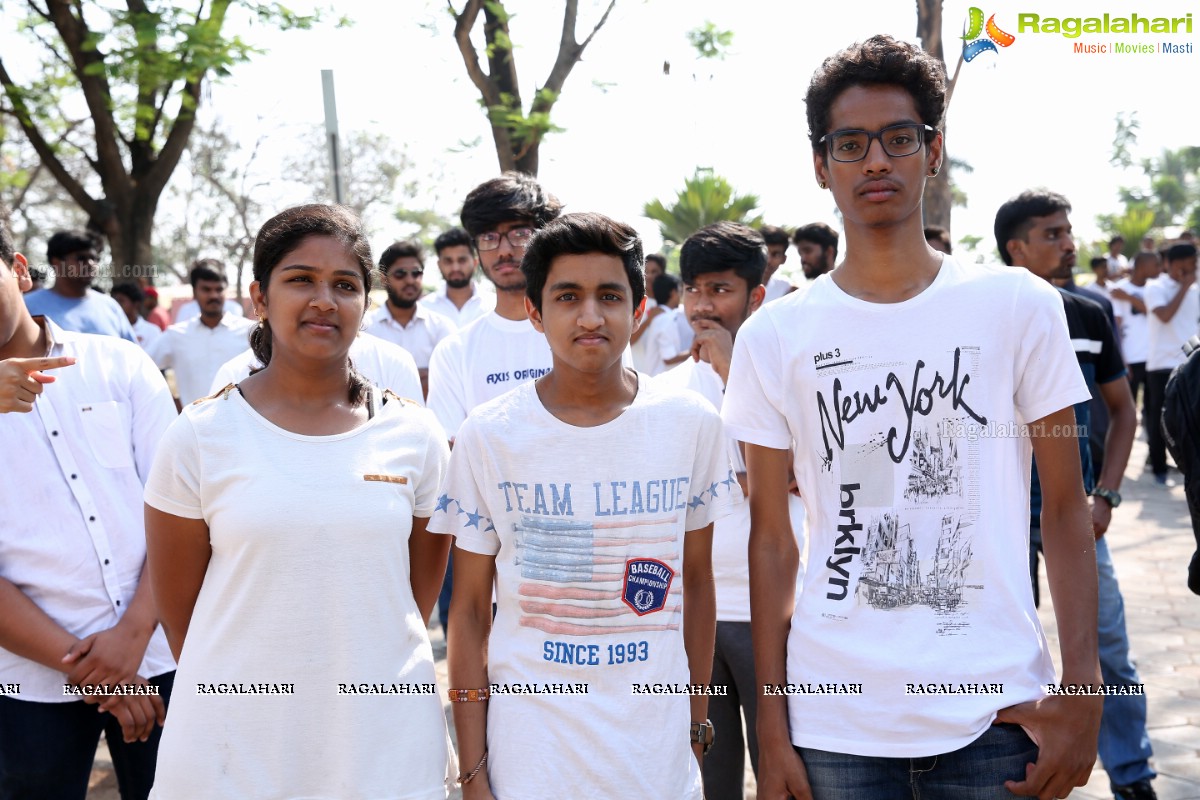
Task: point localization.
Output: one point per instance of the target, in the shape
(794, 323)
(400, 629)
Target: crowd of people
(602, 477)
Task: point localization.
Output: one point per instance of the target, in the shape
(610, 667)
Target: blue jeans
(47, 749)
(975, 772)
(443, 604)
(1124, 741)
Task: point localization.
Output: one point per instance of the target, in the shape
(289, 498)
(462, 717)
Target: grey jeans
(733, 667)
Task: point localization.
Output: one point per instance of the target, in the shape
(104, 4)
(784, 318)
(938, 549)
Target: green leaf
(705, 198)
(710, 41)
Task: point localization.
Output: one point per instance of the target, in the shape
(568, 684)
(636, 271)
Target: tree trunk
(130, 240)
(528, 163)
(938, 199)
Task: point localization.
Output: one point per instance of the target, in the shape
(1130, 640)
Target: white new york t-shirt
(731, 534)
(909, 453)
(587, 527)
(308, 587)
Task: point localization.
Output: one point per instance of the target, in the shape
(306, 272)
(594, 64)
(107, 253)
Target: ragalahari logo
(975, 43)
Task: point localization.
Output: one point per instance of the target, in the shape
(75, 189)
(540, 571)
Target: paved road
(1151, 543)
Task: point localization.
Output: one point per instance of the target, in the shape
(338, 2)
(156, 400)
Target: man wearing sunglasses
(911, 390)
(402, 320)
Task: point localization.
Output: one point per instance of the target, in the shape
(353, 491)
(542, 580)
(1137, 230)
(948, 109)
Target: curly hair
(880, 60)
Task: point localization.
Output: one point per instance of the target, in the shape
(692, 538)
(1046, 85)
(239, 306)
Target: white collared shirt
(195, 352)
(776, 288)
(72, 535)
(191, 309)
(479, 305)
(418, 337)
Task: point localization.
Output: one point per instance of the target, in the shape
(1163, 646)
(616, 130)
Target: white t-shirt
(1166, 338)
(480, 304)
(684, 328)
(382, 363)
(483, 360)
(589, 559)
(418, 337)
(308, 589)
(195, 352)
(146, 333)
(910, 456)
(658, 343)
(191, 310)
(1135, 328)
(776, 288)
(731, 534)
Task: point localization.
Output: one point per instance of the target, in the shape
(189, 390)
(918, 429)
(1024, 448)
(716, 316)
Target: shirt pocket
(106, 426)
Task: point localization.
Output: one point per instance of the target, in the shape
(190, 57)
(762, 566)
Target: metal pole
(331, 131)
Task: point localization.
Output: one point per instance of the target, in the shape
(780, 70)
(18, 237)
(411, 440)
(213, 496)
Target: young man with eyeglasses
(70, 302)
(402, 320)
(911, 662)
(502, 349)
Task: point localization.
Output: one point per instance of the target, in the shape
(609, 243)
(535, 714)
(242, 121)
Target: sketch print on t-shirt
(907, 545)
(934, 469)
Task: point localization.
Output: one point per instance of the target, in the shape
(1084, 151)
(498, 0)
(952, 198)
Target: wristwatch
(702, 733)
(1111, 497)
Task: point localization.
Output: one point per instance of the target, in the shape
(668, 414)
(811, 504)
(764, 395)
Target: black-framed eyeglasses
(404, 273)
(517, 237)
(897, 141)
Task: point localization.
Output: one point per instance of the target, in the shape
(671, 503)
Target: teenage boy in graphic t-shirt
(913, 391)
(600, 551)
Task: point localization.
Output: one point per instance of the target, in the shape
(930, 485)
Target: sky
(1032, 114)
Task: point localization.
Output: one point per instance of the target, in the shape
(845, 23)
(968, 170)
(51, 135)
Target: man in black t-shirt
(1034, 231)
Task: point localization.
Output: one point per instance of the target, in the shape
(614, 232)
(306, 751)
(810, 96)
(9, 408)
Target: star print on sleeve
(712, 490)
(473, 519)
(695, 502)
(443, 503)
(732, 479)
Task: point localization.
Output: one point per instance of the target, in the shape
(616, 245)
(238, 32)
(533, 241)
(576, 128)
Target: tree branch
(599, 25)
(42, 147)
(463, 23)
(569, 54)
(185, 121)
(953, 82)
(93, 81)
(488, 90)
